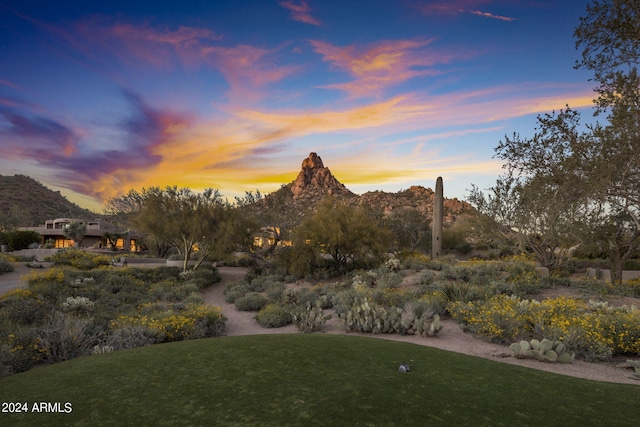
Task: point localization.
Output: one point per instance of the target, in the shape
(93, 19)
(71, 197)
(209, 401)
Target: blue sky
(97, 98)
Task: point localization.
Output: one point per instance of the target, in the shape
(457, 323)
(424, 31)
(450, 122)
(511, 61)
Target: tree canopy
(572, 183)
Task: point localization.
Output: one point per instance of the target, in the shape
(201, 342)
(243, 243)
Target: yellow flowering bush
(594, 330)
(196, 321)
(48, 275)
(501, 318)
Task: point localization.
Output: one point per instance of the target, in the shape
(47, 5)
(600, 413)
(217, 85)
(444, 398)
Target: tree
(526, 213)
(125, 212)
(608, 37)
(14, 217)
(346, 234)
(408, 227)
(190, 220)
(195, 223)
(75, 231)
(112, 239)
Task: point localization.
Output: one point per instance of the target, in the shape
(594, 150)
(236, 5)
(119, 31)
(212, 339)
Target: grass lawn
(307, 380)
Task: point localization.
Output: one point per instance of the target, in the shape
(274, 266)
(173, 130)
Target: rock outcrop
(316, 180)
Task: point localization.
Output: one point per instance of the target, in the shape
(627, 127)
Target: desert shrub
(389, 297)
(464, 292)
(77, 258)
(5, 266)
(150, 275)
(193, 299)
(631, 264)
(130, 336)
(169, 290)
(47, 277)
(595, 331)
(23, 307)
(456, 272)
(20, 239)
(428, 277)
(275, 290)
(343, 300)
(252, 301)
(25, 347)
(79, 306)
(525, 283)
(437, 302)
(210, 321)
(235, 291)
(501, 318)
(418, 308)
(167, 326)
(389, 279)
(204, 276)
(273, 316)
(291, 296)
(63, 337)
(261, 283)
(413, 261)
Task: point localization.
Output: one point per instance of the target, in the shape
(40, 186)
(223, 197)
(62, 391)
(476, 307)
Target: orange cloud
(235, 153)
(382, 64)
(300, 12)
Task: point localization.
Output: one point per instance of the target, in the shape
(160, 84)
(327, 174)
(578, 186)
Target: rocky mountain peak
(315, 179)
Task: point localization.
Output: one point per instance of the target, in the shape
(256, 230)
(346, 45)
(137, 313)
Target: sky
(97, 98)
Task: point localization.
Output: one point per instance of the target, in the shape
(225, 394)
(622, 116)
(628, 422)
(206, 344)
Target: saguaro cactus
(436, 224)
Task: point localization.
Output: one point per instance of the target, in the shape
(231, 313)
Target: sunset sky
(97, 98)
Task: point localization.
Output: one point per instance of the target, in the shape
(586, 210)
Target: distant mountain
(33, 203)
(315, 181)
(36, 203)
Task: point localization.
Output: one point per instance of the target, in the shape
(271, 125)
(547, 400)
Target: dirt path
(13, 280)
(451, 338)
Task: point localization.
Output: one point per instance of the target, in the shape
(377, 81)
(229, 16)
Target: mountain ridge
(315, 181)
(31, 203)
(35, 203)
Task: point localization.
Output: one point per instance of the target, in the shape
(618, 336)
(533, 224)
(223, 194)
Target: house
(269, 237)
(52, 232)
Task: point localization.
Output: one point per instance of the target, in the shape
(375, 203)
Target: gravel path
(451, 338)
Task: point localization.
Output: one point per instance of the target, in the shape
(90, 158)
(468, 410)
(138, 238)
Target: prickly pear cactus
(311, 319)
(366, 316)
(545, 350)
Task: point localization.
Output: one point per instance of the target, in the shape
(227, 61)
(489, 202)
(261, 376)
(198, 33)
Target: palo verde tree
(125, 212)
(346, 234)
(192, 221)
(195, 223)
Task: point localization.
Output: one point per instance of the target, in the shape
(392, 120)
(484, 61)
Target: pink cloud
(380, 65)
(9, 84)
(490, 15)
(245, 68)
(300, 12)
(455, 7)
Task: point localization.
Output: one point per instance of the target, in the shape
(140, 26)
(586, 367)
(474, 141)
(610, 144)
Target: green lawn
(307, 380)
